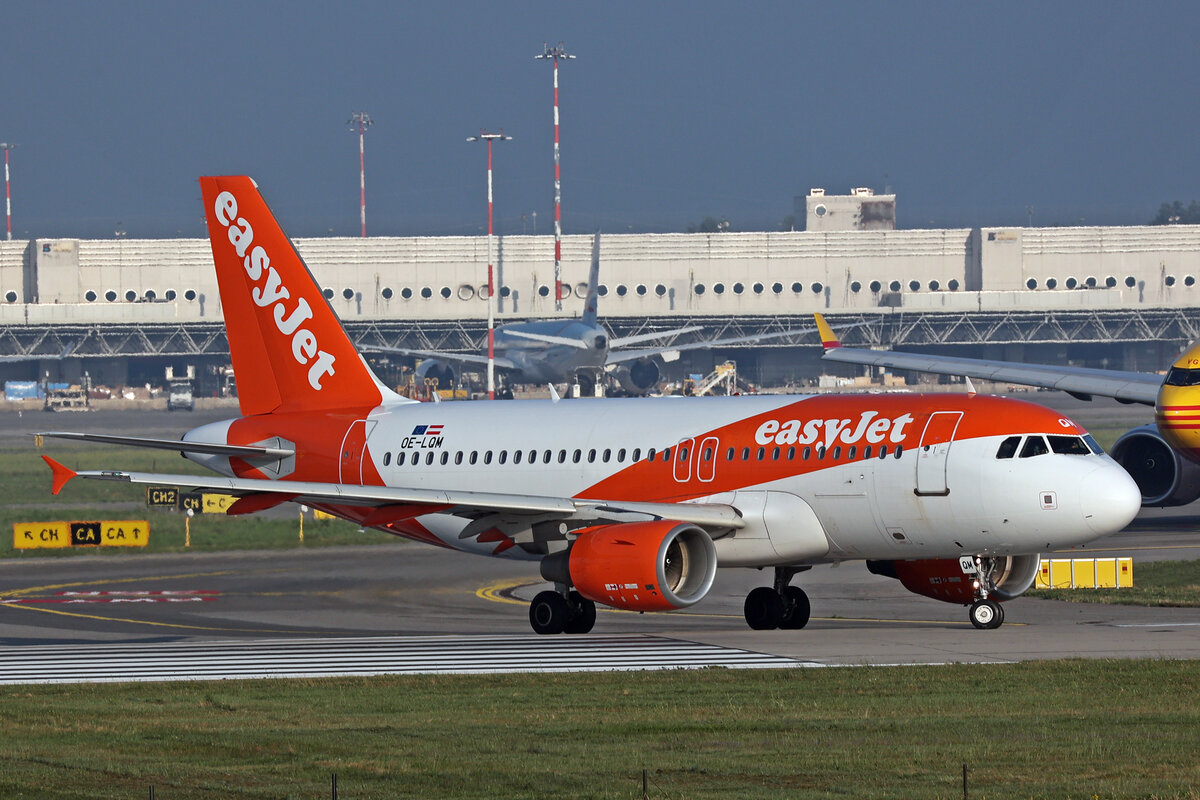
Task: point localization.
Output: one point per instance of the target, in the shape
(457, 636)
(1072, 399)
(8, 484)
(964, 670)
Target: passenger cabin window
(637, 454)
(1069, 446)
(1008, 448)
(445, 457)
(400, 459)
(1034, 446)
(387, 458)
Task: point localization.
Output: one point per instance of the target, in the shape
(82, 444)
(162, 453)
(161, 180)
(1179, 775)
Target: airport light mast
(554, 54)
(491, 298)
(359, 121)
(5, 146)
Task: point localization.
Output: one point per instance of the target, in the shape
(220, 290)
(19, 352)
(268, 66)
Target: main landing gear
(985, 613)
(555, 612)
(779, 606)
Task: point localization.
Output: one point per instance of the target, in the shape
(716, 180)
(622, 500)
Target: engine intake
(638, 377)
(1164, 477)
(638, 566)
(435, 374)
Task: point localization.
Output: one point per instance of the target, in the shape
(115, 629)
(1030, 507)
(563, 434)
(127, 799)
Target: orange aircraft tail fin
(289, 350)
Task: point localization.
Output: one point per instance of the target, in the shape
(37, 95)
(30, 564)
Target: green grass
(1155, 583)
(1095, 729)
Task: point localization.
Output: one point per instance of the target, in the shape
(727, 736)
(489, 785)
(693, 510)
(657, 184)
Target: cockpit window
(1069, 445)
(1093, 445)
(1008, 448)
(1034, 446)
(1179, 376)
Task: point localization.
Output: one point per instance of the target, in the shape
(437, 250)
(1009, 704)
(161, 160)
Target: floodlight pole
(491, 298)
(359, 121)
(554, 54)
(5, 146)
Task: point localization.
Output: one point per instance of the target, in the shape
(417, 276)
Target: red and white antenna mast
(554, 54)
(359, 121)
(5, 146)
(491, 298)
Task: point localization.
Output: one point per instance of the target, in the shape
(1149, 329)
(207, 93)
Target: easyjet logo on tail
(828, 431)
(271, 291)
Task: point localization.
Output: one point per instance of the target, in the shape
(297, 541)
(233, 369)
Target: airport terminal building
(1120, 297)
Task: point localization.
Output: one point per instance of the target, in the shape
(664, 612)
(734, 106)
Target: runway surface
(403, 607)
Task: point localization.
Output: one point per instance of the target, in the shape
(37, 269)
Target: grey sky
(672, 111)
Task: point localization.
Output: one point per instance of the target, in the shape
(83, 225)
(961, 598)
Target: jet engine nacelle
(436, 374)
(638, 377)
(638, 566)
(1164, 477)
(944, 579)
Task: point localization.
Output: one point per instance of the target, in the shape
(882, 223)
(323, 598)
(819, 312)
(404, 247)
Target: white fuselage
(798, 469)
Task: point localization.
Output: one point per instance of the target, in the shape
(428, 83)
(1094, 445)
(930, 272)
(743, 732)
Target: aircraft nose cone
(1111, 499)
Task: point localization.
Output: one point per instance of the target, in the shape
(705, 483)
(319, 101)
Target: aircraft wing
(1081, 382)
(672, 352)
(625, 341)
(258, 494)
(462, 358)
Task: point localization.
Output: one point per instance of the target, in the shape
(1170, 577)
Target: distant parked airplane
(573, 350)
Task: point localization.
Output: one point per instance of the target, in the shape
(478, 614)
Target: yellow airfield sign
(107, 533)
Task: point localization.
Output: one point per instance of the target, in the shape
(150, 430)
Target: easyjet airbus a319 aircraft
(633, 503)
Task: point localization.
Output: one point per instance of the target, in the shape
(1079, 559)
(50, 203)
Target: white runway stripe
(295, 658)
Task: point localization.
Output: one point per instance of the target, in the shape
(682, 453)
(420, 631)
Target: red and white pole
(7, 194)
(491, 283)
(555, 53)
(360, 121)
(491, 367)
(362, 182)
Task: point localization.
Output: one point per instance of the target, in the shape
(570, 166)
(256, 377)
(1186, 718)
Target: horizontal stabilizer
(61, 474)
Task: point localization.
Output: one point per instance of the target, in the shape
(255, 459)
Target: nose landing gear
(985, 613)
